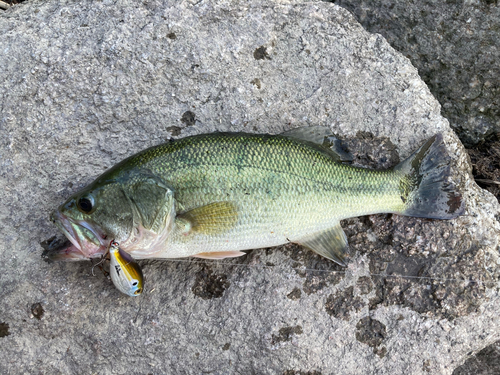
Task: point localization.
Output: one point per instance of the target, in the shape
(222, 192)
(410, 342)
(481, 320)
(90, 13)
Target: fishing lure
(126, 274)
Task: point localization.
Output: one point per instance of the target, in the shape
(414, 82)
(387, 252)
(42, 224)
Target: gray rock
(84, 84)
(486, 362)
(455, 46)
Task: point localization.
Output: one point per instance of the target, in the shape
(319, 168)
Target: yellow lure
(126, 274)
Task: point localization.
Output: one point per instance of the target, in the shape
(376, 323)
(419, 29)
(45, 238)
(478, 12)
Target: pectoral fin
(212, 218)
(331, 244)
(219, 255)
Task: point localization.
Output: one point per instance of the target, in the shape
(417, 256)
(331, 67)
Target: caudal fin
(425, 186)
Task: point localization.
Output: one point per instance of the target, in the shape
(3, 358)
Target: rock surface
(486, 362)
(85, 84)
(456, 49)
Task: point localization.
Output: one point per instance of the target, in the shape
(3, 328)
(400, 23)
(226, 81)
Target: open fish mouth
(86, 241)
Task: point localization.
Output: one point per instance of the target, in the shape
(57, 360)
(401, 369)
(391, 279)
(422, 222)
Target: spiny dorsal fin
(212, 218)
(321, 136)
(330, 243)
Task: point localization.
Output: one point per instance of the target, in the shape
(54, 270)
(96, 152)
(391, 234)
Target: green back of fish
(229, 165)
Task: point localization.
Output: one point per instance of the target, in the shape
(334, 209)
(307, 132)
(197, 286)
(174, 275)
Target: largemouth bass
(214, 195)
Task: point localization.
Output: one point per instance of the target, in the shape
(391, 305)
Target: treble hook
(103, 257)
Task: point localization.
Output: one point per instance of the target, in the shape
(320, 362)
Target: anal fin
(330, 243)
(219, 255)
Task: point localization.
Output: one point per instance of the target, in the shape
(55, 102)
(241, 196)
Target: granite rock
(455, 47)
(85, 84)
(485, 362)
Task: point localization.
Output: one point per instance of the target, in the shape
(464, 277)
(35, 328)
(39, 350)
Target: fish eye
(86, 204)
(138, 291)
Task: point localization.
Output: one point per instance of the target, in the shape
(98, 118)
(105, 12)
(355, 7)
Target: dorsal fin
(323, 137)
(314, 134)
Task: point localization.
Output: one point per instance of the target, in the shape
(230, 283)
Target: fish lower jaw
(69, 253)
(87, 249)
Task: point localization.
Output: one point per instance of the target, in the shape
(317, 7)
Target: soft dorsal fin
(212, 218)
(314, 134)
(321, 136)
(330, 243)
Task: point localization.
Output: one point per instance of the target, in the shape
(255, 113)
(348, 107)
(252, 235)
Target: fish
(213, 196)
(125, 273)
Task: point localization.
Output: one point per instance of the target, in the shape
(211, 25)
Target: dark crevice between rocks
(485, 160)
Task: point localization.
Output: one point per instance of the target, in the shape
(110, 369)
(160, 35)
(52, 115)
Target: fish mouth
(86, 241)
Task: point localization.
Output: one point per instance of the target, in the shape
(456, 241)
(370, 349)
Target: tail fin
(425, 187)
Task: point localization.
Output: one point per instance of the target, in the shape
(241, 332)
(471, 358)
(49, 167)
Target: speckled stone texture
(84, 84)
(455, 45)
(486, 362)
